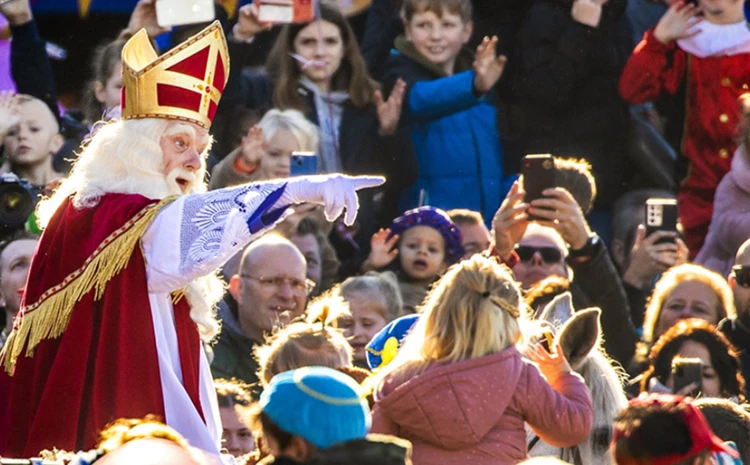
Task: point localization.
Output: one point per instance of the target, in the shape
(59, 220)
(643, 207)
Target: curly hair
(724, 357)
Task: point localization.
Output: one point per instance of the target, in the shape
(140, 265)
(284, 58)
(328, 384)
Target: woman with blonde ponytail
(459, 388)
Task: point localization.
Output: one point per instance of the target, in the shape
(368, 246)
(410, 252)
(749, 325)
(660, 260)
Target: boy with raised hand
(703, 49)
(448, 107)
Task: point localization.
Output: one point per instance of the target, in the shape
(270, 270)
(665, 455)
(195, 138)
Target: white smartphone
(179, 12)
(276, 11)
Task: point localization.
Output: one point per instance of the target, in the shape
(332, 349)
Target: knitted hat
(385, 344)
(436, 219)
(319, 404)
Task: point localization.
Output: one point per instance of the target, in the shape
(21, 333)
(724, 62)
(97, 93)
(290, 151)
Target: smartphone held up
(180, 12)
(538, 172)
(661, 215)
(687, 372)
(285, 11)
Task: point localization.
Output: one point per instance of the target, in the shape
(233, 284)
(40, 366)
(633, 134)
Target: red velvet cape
(104, 365)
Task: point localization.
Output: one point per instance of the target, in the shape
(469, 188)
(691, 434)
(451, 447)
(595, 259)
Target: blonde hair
(305, 343)
(676, 276)
(303, 131)
(474, 310)
(381, 286)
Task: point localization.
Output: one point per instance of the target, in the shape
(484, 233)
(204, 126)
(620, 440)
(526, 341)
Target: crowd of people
(406, 300)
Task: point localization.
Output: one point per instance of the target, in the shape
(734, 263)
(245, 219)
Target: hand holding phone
(686, 372)
(538, 174)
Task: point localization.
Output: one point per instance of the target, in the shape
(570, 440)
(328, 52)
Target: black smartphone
(661, 215)
(686, 371)
(538, 174)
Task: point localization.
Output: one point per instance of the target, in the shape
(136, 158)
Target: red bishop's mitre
(183, 84)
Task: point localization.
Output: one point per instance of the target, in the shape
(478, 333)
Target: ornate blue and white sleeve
(197, 233)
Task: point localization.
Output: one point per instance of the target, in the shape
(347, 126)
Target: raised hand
(487, 67)
(678, 22)
(144, 17)
(335, 192)
(389, 112)
(588, 12)
(382, 250)
(253, 146)
(552, 365)
(560, 211)
(8, 112)
(16, 12)
(248, 23)
(510, 222)
(649, 259)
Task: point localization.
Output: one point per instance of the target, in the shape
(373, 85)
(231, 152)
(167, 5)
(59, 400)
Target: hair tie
(486, 294)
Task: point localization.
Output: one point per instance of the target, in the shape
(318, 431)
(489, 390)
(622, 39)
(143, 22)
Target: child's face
(366, 320)
(277, 157)
(422, 253)
(722, 11)
(35, 138)
(108, 93)
(438, 38)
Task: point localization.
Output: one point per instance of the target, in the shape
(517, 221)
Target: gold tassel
(48, 317)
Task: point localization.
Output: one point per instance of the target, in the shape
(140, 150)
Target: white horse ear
(580, 335)
(558, 311)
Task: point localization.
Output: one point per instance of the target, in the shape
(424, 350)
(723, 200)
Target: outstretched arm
(197, 233)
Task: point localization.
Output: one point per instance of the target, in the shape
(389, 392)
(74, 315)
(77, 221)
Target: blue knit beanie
(319, 404)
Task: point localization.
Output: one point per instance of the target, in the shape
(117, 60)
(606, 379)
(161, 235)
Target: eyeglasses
(549, 254)
(300, 287)
(741, 275)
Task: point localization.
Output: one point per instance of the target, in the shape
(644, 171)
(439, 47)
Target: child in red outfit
(711, 55)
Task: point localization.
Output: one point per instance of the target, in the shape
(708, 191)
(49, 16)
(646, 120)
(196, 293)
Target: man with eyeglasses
(270, 289)
(737, 330)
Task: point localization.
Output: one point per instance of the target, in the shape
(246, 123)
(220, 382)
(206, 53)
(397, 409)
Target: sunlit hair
(379, 288)
(22, 99)
(303, 131)
(351, 77)
(724, 356)
(679, 275)
(125, 430)
(302, 344)
(232, 392)
(121, 157)
(744, 102)
(465, 217)
(467, 315)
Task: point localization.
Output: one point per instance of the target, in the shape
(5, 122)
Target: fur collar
(718, 40)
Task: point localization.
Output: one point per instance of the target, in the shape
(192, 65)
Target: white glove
(333, 191)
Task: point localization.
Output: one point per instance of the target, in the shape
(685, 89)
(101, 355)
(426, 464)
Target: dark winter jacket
(453, 131)
(565, 94)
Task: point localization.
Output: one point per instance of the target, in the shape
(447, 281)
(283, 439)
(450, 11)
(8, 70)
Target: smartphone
(538, 174)
(686, 371)
(285, 11)
(179, 12)
(661, 215)
(304, 164)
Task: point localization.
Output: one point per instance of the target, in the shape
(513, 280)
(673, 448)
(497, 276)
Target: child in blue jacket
(448, 107)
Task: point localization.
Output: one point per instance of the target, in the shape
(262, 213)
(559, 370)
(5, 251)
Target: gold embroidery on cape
(48, 317)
